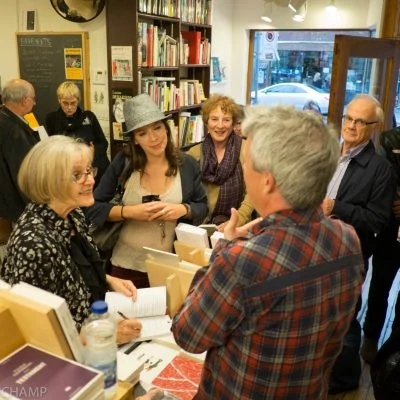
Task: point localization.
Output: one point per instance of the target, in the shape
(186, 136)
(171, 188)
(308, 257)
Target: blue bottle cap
(99, 307)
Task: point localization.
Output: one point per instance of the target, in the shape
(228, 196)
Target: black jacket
(16, 139)
(84, 125)
(365, 196)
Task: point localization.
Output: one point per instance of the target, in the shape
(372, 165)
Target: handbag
(106, 236)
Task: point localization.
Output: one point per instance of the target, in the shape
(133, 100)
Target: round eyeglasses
(82, 178)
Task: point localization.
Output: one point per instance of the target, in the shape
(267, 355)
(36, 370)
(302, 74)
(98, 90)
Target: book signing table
(41, 354)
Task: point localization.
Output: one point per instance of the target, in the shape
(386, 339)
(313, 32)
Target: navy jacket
(193, 192)
(16, 139)
(365, 196)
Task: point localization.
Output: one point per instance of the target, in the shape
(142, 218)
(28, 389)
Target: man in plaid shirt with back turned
(273, 307)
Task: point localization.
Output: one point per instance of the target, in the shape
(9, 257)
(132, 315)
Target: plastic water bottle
(101, 345)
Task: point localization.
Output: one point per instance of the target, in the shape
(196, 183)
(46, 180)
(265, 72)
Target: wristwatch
(188, 210)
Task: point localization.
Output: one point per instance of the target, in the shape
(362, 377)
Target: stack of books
(30, 373)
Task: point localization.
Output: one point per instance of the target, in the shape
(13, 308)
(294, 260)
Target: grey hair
(378, 109)
(297, 148)
(15, 90)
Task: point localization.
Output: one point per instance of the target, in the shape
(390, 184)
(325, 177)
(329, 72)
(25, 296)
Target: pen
(122, 315)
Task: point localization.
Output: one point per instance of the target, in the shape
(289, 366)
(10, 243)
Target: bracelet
(188, 210)
(122, 213)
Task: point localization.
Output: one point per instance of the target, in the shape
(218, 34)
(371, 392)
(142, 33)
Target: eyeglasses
(69, 103)
(359, 123)
(82, 178)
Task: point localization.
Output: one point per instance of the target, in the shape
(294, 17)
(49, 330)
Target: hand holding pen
(128, 329)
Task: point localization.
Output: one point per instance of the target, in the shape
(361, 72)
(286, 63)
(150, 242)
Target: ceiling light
(266, 14)
(300, 15)
(331, 7)
(291, 6)
(265, 18)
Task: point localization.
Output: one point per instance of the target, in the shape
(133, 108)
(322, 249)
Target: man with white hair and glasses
(361, 194)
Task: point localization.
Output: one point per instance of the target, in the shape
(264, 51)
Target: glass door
(364, 65)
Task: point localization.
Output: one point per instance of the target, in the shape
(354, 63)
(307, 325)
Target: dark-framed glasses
(82, 177)
(358, 122)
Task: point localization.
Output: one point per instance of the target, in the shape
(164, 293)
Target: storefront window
(300, 64)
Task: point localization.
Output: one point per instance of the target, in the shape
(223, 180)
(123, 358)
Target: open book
(150, 308)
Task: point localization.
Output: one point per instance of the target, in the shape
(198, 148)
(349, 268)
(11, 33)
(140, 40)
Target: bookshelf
(163, 48)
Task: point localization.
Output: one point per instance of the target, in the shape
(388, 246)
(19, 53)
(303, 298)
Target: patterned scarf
(228, 174)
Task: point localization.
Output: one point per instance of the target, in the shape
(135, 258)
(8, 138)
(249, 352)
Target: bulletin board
(50, 58)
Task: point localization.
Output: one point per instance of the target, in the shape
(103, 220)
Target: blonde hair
(46, 172)
(68, 89)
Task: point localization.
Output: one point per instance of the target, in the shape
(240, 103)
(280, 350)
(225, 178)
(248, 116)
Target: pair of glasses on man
(82, 178)
(358, 122)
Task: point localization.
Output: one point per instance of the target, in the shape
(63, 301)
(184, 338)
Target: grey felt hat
(140, 111)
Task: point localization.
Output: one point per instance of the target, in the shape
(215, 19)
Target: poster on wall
(73, 64)
(118, 122)
(121, 63)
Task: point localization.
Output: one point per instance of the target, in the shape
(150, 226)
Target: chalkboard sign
(48, 59)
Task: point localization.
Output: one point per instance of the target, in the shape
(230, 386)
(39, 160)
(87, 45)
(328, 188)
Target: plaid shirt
(280, 345)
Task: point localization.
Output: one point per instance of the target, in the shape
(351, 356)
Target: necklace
(161, 224)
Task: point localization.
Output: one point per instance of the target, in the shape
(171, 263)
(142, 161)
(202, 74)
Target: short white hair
(297, 148)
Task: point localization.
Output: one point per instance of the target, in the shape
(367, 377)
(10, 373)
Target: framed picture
(216, 74)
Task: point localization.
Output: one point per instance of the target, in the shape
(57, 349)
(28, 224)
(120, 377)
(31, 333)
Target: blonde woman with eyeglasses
(50, 246)
(71, 120)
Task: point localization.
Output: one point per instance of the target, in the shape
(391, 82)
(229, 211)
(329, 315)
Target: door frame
(388, 53)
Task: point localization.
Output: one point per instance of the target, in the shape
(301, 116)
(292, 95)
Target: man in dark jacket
(385, 261)
(360, 193)
(16, 139)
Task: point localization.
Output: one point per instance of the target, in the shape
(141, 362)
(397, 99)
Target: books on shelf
(30, 372)
(191, 128)
(168, 8)
(196, 11)
(162, 90)
(193, 38)
(43, 319)
(150, 308)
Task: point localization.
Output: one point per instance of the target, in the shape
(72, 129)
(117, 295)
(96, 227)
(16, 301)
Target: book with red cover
(150, 30)
(31, 373)
(180, 378)
(193, 38)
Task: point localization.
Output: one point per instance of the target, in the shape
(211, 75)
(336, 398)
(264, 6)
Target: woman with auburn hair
(219, 158)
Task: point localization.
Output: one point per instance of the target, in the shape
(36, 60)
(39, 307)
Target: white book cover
(61, 309)
(192, 235)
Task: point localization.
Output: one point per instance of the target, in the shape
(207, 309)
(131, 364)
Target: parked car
(296, 94)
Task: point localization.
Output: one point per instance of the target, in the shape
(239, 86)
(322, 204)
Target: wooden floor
(365, 391)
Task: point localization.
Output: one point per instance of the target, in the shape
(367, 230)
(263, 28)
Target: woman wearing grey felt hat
(141, 111)
(162, 187)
